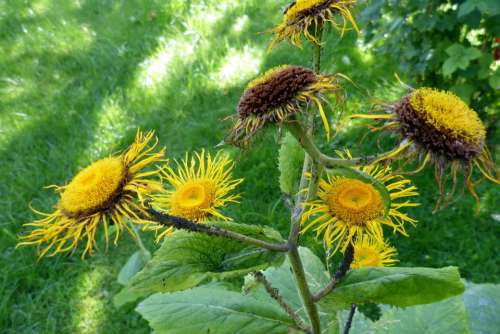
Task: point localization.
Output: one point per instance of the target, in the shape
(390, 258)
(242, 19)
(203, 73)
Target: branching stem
(275, 294)
(184, 224)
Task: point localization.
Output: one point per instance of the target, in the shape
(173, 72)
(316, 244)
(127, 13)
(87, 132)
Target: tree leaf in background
(213, 309)
(395, 286)
(460, 58)
(186, 260)
(134, 264)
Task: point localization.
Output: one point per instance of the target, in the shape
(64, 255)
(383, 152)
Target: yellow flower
(302, 16)
(350, 207)
(369, 252)
(199, 187)
(108, 192)
(441, 129)
(277, 94)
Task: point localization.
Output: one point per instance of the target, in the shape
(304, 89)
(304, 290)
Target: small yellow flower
(277, 94)
(302, 16)
(441, 129)
(369, 252)
(108, 192)
(198, 189)
(348, 208)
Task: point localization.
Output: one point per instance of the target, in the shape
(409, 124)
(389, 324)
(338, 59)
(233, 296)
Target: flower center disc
(355, 202)
(448, 114)
(367, 257)
(193, 199)
(94, 188)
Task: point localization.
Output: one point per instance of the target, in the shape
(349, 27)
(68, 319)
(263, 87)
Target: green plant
(196, 275)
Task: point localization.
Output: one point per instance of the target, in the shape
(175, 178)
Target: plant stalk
(348, 324)
(137, 238)
(184, 224)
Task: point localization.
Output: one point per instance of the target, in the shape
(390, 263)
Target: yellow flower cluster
(113, 191)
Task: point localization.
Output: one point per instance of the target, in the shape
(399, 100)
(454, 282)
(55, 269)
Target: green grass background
(77, 78)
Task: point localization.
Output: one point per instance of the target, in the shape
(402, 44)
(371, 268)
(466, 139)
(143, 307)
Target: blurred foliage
(453, 45)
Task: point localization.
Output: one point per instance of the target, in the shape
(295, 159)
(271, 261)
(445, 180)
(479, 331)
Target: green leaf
(460, 58)
(395, 286)
(134, 263)
(358, 175)
(488, 7)
(464, 91)
(291, 157)
(476, 311)
(447, 316)
(213, 309)
(467, 7)
(494, 81)
(281, 278)
(187, 259)
(482, 302)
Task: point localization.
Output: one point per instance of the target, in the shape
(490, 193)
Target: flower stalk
(184, 224)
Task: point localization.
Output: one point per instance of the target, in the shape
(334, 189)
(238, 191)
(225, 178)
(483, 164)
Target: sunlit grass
(77, 78)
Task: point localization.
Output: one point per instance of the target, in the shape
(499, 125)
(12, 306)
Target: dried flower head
(198, 189)
(302, 16)
(441, 129)
(349, 207)
(108, 192)
(277, 94)
(370, 252)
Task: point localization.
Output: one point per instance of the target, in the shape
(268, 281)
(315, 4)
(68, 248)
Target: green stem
(305, 293)
(317, 156)
(137, 238)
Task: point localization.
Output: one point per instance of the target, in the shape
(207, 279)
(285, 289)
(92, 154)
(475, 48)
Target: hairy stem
(275, 294)
(305, 293)
(348, 324)
(344, 267)
(137, 238)
(184, 224)
(317, 156)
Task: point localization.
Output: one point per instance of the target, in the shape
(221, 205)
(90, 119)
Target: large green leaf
(460, 58)
(134, 263)
(476, 311)
(213, 309)
(187, 259)
(447, 316)
(291, 157)
(282, 279)
(395, 286)
(482, 302)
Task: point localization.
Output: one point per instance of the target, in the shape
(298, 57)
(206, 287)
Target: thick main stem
(310, 166)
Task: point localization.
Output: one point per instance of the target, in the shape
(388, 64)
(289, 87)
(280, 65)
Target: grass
(77, 78)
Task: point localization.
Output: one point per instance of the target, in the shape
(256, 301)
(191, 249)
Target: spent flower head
(108, 192)
(442, 130)
(277, 94)
(304, 16)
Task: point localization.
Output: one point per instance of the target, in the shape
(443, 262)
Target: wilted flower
(108, 192)
(303, 15)
(277, 94)
(370, 252)
(198, 189)
(444, 131)
(351, 206)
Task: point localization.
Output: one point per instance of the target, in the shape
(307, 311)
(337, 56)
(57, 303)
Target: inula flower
(108, 192)
(305, 16)
(198, 188)
(279, 93)
(443, 130)
(370, 252)
(349, 207)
